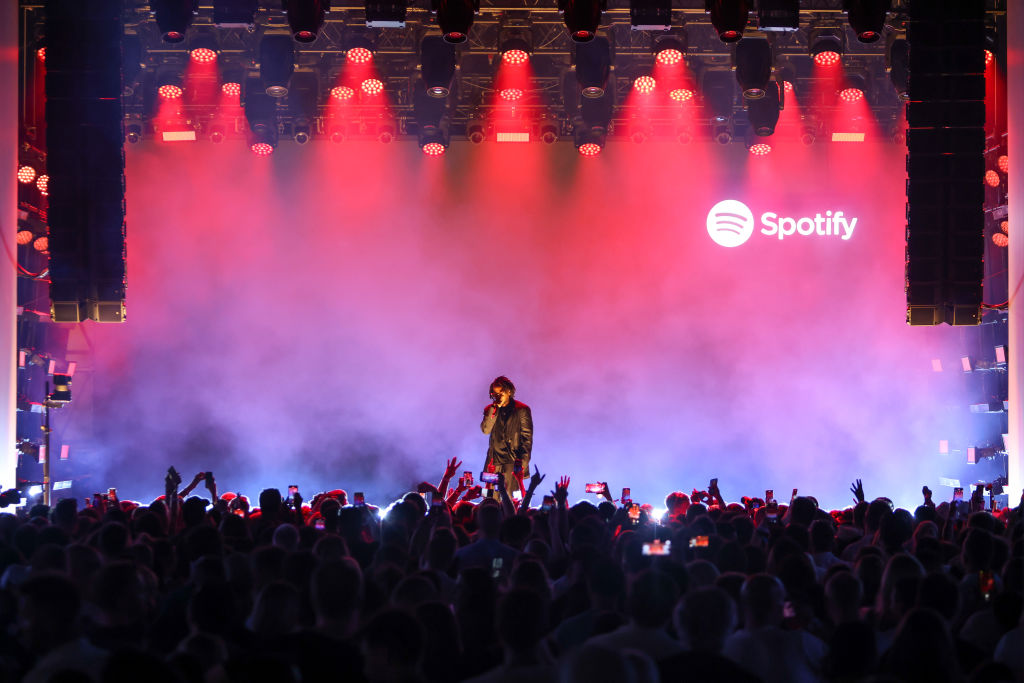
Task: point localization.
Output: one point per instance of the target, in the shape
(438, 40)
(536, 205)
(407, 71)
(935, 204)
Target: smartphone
(657, 547)
(625, 499)
(958, 493)
(714, 483)
(292, 490)
(699, 542)
(468, 476)
(359, 498)
(209, 478)
(319, 524)
(496, 567)
(489, 477)
(769, 495)
(112, 493)
(794, 495)
(634, 513)
(548, 503)
(595, 488)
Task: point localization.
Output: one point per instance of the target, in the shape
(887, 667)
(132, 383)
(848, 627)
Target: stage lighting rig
(593, 66)
(437, 60)
(590, 127)
(867, 18)
(234, 13)
(455, 17)
(753, 66)
(729, 17)
(202, 46)
(173, 18)
(303, 97)
(825, 45)
(670, 50)
(261, 114)
(432, 122)
(305, 18)
(763, 112)
(515, 49)
(277, 63)
(385, 13)
(778, 15)
(650, 15)
(582, 17)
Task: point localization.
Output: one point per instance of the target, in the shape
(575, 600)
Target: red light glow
(828, 58)
(515, 57)
(43, 185)
(669, 57)
(262, 149)
(343, 92)
(760, 149)
(681, 95)
(231, 89)
(992, 178)
(1004, 163)
(851, 94)
(169, 92)
(26, 174)
(42, 244)
(590, 149)
(787, 86)
(1000, 240)
(359, 55)
(989, 56)
(25, 237)
(511, 94)
(645, 84)
(1004, 226)
(41, 54)
(371, 86)
(433, 149)
(203, 55)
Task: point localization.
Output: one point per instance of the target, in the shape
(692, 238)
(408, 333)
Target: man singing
(510, 424)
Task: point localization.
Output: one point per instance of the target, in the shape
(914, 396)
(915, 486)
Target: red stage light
(26, 174)
(760, 149)
(511, 94)
(827, 58)
(681, 95)
(43, 185)
(262, 149)
(359, 55)
(203, 55)
(343, 92)
(169, 92)
(231, 89)
(41, 54)
(25, 237)
(371, 86)
(669, 57)
(1004, 163)
(590, 149)
(992, 178)
(645, 84)
(1004, 226)
(787, 86)
(989, 56)
(515, 57)
(1000, 240)
(851, 94)
(433, 149)
(42, 244)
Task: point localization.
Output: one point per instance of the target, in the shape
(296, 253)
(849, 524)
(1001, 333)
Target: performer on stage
(510, 424)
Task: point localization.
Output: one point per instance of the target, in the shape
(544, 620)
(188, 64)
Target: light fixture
(61, 389)
(26, 174)
(169, 82)
(432, 122)
(304, 94)
(202, 46)
(590, 126)
(764, 111)
(669, 51)
(277, 63)
(778, 15)
(173, 18)
(899, 67)
(359, 50)
(234, 13)
(455, 18)
(548, 131)
(867, 18)
(650, 15)
(855, 89)
(133, 132)
(515, 50)
(759, 149)
(305, 18)
(719, 89)
(581, 17)
(476, 130)
(593, 65)
(826, 46)
(385, 13)
(437, 59)
(261, 115)
(753, 66)
(729, 17)
(645, 85)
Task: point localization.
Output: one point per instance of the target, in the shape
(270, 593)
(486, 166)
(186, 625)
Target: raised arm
(490, 417)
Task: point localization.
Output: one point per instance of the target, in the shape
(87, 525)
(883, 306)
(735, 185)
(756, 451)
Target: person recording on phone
(510, 426)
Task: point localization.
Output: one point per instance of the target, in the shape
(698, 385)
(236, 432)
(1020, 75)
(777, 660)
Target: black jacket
(511, 433)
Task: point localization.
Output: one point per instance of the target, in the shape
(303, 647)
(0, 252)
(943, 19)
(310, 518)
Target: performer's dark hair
(504, 382)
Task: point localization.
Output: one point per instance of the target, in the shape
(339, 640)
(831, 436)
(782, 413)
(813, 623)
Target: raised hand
(536, 479)
(473, 493)
(451, 468)
(857, 489)
(426, 487)
(561, 492)
(926, 492)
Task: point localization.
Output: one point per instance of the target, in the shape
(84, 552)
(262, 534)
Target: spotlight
(669, 51)
(262, 149)
(764, 112)
(826, 46)
(680, 95)
(549, 131)
(305, 17)
(431, 121)
(510, 94)
(851, 94)
(202, 47)
(729, 17)
(301, 131)
(43, 184)
(515, 51)
(778, 15)
(455, 17)
(992, 178)
(25, 237)
(277, 63)
(42, 244)
(645, 85)
(899, 66)
(593, 65)
(581, 17)
(372, 86)
(753, 66)
(855, 89)
(386, 131)
(589, 149)
(360, 51)
(26, 174)
(989, 58)
(231, 89)
(1003, 162)
(217, 133)
(234, 13)
(437, 57)
(173, 17)
(61, 389)
(133, 133)
(476, 130)
(385, 13)
(303, 96)
(1000, 240)
(261, 114)
(650, 15)
(867, 18)
(433, 149)
(719, 88)
(590, 129)
(759, 149)
(169, 83)
(343, 93)
(722, 133)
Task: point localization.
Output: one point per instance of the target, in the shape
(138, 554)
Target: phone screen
(292, 490)
(958, 493)
(489, 477)
(358, 498)
(319, 524)
(769, 495)
(549, 502)
(468, 476)
(699, 542)
(595, 488)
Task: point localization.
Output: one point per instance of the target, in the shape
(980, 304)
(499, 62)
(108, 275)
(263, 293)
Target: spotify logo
(730, 223)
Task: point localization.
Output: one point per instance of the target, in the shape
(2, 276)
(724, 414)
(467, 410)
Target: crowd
(451, 584)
